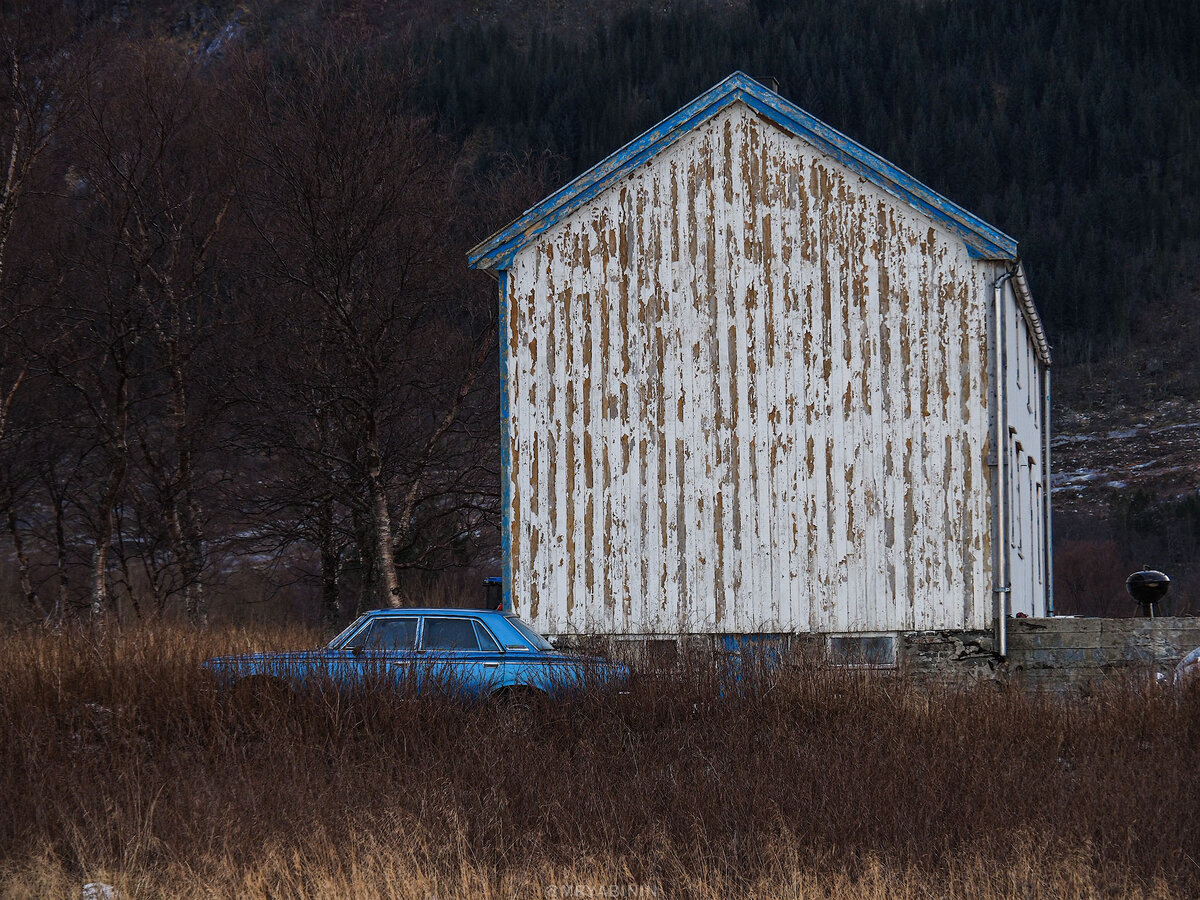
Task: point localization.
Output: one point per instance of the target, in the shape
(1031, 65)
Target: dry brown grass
(117, 763)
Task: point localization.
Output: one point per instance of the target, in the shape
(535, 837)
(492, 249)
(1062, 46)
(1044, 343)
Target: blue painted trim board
(505, 451)
(982, 240)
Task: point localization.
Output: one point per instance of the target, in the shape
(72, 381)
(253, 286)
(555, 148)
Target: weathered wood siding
(748, 391)
(1026, 477)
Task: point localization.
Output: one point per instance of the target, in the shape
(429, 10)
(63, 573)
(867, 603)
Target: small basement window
(876, 651)
(656, 653)
(661, 653)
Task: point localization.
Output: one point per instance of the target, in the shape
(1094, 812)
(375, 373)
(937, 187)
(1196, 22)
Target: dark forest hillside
(1073, 126)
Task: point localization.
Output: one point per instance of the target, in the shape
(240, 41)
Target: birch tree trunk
(186, 512)
(330, 563)
(101, 601)
(60, 549)
(368, 564)
(383, 526)
(26, 582)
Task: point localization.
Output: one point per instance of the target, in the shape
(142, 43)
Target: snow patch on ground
(1089, 463)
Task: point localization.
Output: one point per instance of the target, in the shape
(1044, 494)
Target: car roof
(434, 611)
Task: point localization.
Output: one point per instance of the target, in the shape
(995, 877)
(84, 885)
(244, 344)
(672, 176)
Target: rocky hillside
(1126, 463)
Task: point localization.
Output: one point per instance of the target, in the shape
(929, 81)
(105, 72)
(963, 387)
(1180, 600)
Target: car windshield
(349, 630)
(535, 640)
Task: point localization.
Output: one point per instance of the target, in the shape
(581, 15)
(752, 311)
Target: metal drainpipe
(1047, 551)
(1002, 589)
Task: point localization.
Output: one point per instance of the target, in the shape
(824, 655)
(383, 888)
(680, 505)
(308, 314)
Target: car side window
(486, 641)
(449, 634)
(391, 634)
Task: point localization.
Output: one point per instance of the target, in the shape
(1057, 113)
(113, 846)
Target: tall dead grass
(119, 763)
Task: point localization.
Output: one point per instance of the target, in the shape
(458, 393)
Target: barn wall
(747, 392)
(1026, 461)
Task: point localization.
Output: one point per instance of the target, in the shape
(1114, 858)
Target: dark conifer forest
(1074, 127)
(222, 343)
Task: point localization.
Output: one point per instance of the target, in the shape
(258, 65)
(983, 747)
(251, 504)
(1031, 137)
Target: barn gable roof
(982, 240)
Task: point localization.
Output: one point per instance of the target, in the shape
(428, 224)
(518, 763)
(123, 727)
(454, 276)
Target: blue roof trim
(506, 560)
(982, 240)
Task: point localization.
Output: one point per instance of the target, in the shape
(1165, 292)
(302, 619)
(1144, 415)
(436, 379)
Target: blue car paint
(519, 663)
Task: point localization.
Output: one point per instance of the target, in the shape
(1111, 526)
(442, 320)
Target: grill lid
(1148, 586)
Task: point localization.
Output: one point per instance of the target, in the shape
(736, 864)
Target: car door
(384, 648)
(459, 654)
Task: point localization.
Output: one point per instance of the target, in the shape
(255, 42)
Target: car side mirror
(357, 651)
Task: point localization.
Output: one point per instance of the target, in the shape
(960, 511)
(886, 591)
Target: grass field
(119, 764)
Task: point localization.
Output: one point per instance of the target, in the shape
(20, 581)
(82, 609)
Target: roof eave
(1032, 319)
(497, 250)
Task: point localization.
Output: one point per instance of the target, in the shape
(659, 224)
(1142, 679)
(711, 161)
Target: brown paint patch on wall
(751, 250)
(905, 354)
(534, 498)
(925, 375)
(910, 523)
(948, 525)
(719, 568)
(589, 561)
(534, 562)
(769, 281)
(556, 432)
(827, 326)
(608, 558)
(735, 445)
(569, 502)
(588, 468)
(607, 398)
(830, 506)
(970, 544)
(803, 193)
(751, 348)
(727, 152)
(885, 325)
(674, 213)
(660, 438)
(643, 514)
(944, 355)
(965, 337)
(681, 528)
(851, 487)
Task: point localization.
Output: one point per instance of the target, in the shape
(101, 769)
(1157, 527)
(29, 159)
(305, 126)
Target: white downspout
(1001, 588)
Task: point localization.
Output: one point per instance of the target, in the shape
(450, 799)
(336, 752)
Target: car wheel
(519, 704)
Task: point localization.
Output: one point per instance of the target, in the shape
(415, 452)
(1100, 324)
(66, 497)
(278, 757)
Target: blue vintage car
(472, 652)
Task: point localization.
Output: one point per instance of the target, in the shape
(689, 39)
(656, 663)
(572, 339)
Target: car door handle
(490, 665)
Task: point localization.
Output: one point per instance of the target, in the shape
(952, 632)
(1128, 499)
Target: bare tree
(136, 294)
(235, 313)
(39, 81)
(376, 341)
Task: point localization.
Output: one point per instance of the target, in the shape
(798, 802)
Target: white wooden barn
(749, 386)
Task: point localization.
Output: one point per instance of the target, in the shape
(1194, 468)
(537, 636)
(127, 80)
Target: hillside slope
(1126, 462)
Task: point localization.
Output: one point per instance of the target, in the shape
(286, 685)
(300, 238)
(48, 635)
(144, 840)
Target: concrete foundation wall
(1077, 653)
(1060, 654)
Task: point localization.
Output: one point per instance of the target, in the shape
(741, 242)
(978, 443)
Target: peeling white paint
(749, 391)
